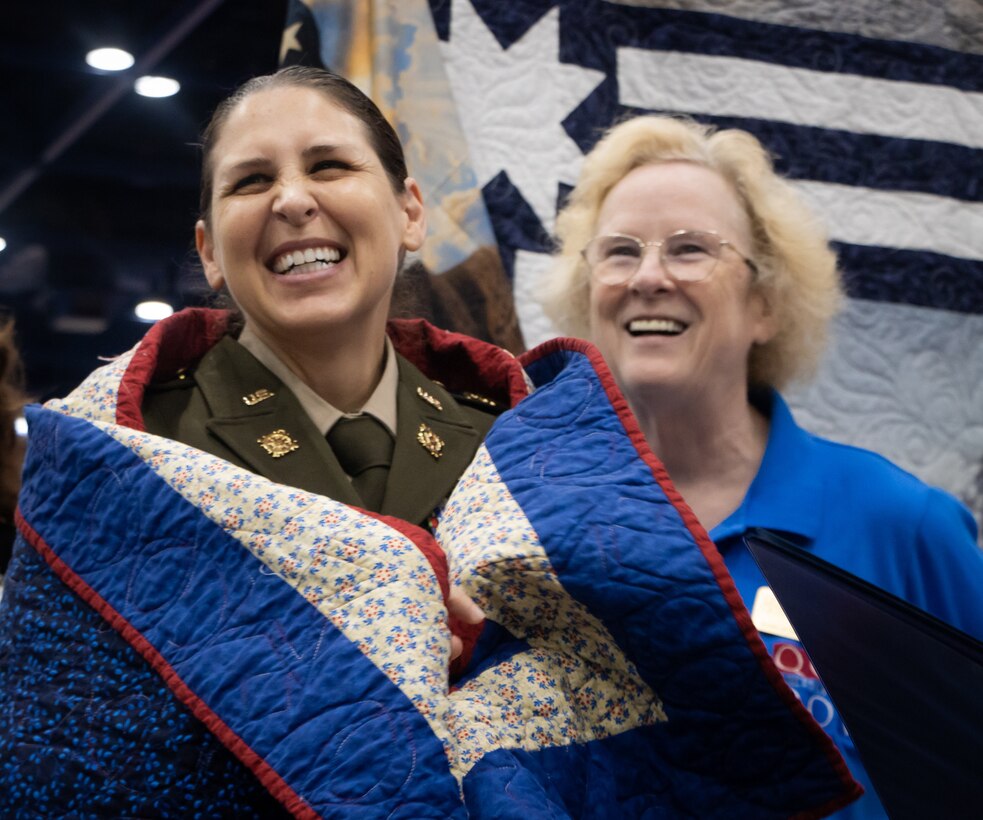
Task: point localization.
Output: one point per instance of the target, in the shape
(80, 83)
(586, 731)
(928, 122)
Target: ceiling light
(157, 86)
(109, 59)
(151, 310)
(20, 426)
(3, 243)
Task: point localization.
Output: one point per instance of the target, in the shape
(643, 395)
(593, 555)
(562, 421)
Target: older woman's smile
(660, 327)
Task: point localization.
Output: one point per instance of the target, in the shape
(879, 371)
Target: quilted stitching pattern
(607, 533)
(73, 694)
(310, 637)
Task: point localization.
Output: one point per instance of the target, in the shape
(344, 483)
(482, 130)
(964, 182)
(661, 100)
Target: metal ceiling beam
(198, 11)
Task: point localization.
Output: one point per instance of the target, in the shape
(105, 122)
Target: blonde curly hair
(798, 275)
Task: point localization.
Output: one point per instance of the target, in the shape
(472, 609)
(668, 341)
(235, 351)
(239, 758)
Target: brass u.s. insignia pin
(431, 400)
(255, 398)
(430, 441)
(278, 443)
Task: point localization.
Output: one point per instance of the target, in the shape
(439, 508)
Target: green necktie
(364, 448)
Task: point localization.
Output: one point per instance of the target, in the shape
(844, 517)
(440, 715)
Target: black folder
(908, 686)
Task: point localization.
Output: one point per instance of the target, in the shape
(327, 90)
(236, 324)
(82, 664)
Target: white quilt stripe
(732, 86)
(898, 219)
(574, 684)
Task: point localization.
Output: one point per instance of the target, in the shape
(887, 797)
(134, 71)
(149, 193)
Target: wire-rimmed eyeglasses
(687, 256)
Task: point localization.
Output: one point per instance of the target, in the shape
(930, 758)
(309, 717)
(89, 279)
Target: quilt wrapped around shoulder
(181, 638)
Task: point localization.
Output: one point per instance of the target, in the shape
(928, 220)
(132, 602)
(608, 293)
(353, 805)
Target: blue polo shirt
(857, 510)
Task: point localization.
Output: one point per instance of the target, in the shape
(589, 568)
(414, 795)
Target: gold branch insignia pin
(278, 443)
(430, 441)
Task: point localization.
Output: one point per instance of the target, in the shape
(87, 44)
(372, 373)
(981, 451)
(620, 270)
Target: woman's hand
(461, 607)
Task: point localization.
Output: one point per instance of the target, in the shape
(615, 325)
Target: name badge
(767, 615)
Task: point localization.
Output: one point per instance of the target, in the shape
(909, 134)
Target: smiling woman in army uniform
(308, 395)
(307, 211)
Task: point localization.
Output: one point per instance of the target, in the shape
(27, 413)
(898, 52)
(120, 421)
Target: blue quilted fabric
(240, 638)
(730, 748)
(115, 706)
(89, 730)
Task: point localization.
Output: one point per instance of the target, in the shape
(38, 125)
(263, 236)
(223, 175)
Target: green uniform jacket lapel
(418, 481)
(230, 372)
(215, 418)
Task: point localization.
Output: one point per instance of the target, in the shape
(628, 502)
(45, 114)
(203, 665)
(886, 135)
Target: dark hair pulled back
(380, 133)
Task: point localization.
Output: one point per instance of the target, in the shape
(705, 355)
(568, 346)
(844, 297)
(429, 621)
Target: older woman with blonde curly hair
(795, 268)
(707, 284)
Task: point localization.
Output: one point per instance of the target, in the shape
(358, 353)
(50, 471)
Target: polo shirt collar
(787, 492)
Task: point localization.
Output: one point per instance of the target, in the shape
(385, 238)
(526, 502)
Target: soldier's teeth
(293, 259)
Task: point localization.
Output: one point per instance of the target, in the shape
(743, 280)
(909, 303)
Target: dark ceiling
(99, 186)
